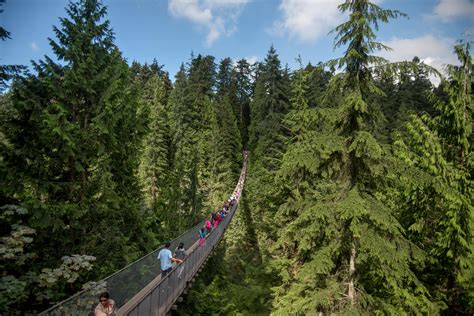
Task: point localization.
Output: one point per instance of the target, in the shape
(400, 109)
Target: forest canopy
(359, 192)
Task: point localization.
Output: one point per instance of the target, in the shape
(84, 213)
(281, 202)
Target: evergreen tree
(224, 79)
(226, 104)
(318, 80)
(143, 73)
(437, 197)
(191, 111)
(182, 147)
(74, 135)
(222, 150)
(155, 164)
(405, 93)
(340, 246)
(267, 141)
(242, 75)
(269, 105)
(267, 138)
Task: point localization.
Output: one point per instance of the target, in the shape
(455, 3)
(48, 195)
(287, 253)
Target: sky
(171, 30)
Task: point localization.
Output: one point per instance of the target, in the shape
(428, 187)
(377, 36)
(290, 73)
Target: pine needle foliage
(340, 248)
(154, 170)
(242, 77)
(438, 194)
(75, 134)
(267, 136)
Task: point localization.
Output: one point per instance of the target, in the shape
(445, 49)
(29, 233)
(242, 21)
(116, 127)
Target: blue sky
(169, 30)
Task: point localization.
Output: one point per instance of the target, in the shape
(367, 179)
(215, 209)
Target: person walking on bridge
(166, 260)
(180, 254)
(208, 225)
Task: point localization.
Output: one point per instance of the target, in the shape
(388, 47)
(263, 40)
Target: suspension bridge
(138, 289)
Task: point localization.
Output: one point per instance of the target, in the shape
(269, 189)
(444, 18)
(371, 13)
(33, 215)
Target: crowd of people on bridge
(218, 216)
(210, 223)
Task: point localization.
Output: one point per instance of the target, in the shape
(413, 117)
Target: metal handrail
(83, 302)
(159, 296)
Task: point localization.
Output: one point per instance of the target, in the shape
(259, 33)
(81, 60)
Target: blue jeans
(165, 272)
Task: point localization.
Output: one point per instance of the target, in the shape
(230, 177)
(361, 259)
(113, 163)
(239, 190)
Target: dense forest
(359, 192)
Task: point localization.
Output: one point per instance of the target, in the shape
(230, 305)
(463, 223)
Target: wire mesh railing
(125, 285)
(159, 298)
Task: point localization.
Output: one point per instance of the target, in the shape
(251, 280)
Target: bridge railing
(159, 296)
(122, 285)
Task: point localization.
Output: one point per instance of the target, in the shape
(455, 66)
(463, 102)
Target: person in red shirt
(218, 219)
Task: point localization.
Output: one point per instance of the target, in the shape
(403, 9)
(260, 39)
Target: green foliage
(340, 248)
(71, 153)
(223, 146)
(154, 161)
(154, 171)
(191, 110)
(336, 218)
(267, 141)
(269, 104)
(234, 281)
(437, 207)
(17, 255)
(406, 88)
(359, 36)
(242, 76)
(222, 152)
(206, 140)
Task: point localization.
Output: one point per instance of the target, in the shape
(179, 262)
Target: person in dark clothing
(180, 254)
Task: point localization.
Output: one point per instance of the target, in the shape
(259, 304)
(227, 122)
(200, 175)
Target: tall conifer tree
(342, 250)
(226, 106)
(75, 135)
(220, 140)
(191, 111)
(437, 196)
(267, 138)
(242, 75)
(155, 164)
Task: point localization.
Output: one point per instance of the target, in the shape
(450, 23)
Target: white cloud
(251, 59)
(191, 10)
(218, 17)
(34, 46)
(436, 51)
(307, 20)
(448, 10)
(433, 51)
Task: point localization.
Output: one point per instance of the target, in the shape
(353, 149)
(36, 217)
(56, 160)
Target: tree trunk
(351, 291)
